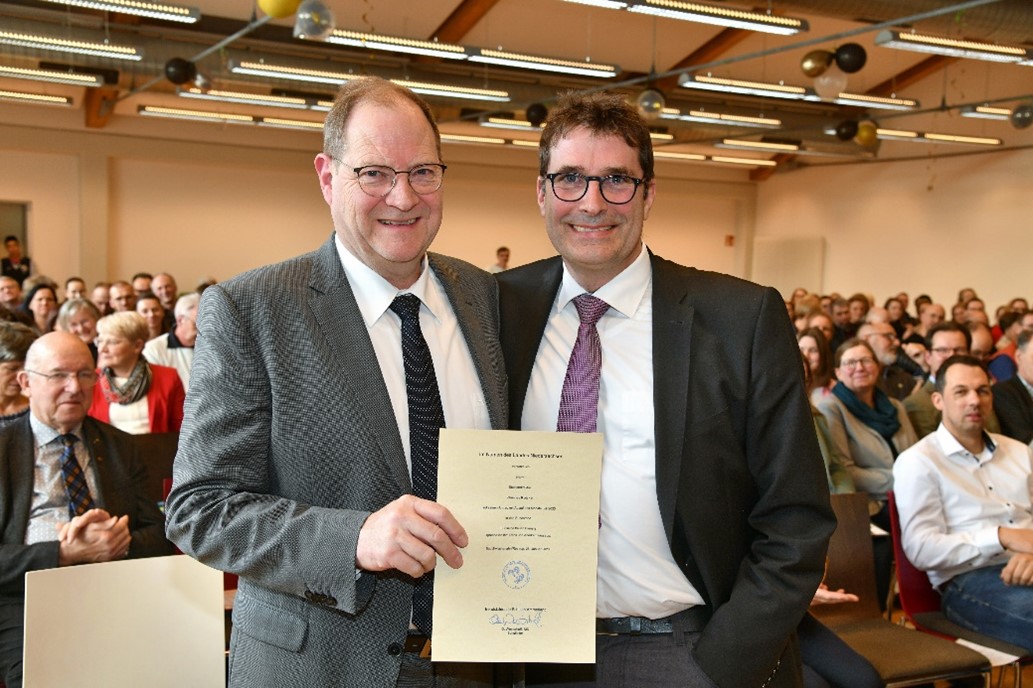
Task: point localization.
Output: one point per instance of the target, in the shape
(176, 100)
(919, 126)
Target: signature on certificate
(525, 618)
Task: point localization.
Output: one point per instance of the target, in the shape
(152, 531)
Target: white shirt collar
(952, 447)
(624, 292)
(374, 294)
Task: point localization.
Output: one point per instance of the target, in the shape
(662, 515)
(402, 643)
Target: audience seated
(10, 293)
(41, 304)
(1013, 399)
(15, 340)
(80, 317)
(164, 285)
(835, 471)
(153, 313)
(1001, 363)
(100, 296)
(966, 509)
(943, 341)
(894, 380)
(103, 516)
(132, 394)
(176, 349)
(929, 314)
(121, 297)
(75, 288)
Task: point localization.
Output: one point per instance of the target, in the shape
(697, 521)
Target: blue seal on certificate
(516, 574)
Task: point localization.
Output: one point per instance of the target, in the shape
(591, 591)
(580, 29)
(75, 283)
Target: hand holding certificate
(529, 502)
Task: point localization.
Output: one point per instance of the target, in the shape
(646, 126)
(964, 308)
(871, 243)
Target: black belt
(692, 620)
(418, 645)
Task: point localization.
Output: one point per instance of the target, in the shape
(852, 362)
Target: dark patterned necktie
(579, 400)
(426, 418)
(79, 499)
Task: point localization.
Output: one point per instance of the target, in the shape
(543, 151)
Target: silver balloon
(1022, 116)
(314, 21)
(650, 103)
(831, 83)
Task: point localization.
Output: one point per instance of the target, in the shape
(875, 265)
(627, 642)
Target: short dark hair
(947, 326)
(11, 237)
(145, 275)
(956, 359)
(15, 340)
(1007, 319)
(500, 249)
(368, 89)
(1022, 341)
(603, 114)
(74, 279)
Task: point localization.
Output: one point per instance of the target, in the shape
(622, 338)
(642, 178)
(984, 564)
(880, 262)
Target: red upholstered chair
(920, 603)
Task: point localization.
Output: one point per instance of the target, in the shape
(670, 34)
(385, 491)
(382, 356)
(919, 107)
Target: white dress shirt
(951, 501)
(462, 397)
(637, 575)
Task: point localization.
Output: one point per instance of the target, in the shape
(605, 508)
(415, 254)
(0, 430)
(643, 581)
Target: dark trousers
(828, 662)
(12, 615)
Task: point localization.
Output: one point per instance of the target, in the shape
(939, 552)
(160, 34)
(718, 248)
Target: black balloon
(1022, 116)
(180, 71)
(536, 113)
(850, 57)
(846, 130)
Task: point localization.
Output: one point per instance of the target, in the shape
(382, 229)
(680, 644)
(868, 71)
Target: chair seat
(937, 622)
(902, 656)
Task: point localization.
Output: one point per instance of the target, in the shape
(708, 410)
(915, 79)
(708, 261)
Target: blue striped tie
(79, 499)
(426, 418)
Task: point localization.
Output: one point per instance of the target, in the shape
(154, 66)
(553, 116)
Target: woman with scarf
(869, 430)
(132, 394)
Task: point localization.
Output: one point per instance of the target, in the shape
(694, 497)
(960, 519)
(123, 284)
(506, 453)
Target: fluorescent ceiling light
(932, 137)
(317, 76)
(280, 123)
(941, 45)
(155, 10)
(706, 82)
(116, 52)
(195, 115)
(607, 4)
(460, 138)
(896, 134)
(52, 76)
(448, 91)
(520, 143)
(34, 98)
(508, 123)
(986, 112)
(720, 16)
(245, 98)
(758, 145)
(542, 64)
(743, 161)
(397, 44)
(876, 102)
(704, 117)
(671, 155)
(660, 136)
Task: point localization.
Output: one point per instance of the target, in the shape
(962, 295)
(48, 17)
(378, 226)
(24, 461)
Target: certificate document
(529, 502)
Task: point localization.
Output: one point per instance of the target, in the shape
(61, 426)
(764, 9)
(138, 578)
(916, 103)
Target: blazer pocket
(271, 625)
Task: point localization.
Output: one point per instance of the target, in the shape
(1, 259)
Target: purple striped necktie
(579, 400)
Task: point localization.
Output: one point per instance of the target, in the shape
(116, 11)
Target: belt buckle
(425, 650)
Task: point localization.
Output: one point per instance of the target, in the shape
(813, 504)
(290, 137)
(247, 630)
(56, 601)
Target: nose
(402, 195)
(593, 202)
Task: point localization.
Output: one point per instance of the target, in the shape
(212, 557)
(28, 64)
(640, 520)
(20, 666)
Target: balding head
(58, 379)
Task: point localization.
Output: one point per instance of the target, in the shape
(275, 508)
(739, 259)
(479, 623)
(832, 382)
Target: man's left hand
(1018, 571)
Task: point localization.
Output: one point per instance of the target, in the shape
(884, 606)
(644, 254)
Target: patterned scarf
(134, 389)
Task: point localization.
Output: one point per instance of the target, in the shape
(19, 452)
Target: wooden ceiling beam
(463, 18)
(912, 75)
(712, 50)
(98, 106)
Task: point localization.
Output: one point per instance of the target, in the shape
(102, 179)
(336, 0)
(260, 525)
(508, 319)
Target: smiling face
(597, 239)
(858, 370)
(60, 402)
(389, 234)
(809, 349)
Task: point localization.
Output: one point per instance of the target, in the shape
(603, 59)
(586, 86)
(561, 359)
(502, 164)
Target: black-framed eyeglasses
(379, 180)
(60, 379)
(617, 189)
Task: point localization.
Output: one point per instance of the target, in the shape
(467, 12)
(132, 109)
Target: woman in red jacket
(132, 394)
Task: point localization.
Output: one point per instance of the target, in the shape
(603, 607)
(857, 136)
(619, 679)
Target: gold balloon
(867, 134)
(816, 62)
(279, 8)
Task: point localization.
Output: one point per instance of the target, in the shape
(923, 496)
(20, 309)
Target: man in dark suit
(714, 510)
(1013, 398)
(40, 526)
(296, 468)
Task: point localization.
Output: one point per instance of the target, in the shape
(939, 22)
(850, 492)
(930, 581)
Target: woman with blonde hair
(79, 317)
(132, 394)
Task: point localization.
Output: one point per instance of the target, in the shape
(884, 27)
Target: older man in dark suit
(714, 509)
(305, 461)
(1013, 398)
(72, 489)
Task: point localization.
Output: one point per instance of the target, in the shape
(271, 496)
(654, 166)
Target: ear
(23, 380)
(323, 163)
(648, 193)
(541, 195)
(937, 400)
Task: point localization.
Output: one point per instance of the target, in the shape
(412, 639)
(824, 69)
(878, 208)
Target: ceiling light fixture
(520, 143)
(708, 82)
(397, 44)
(431, 89)
(986, 112)
(704, 117)
(660, 136)
(720, 16)
(543, 64)
(34, 98)
(877, 102)
(671, 155)
(744, 161)
(461, 138)
(607, 4)
(155, 10)
(932, 137)
(115, 52)
(52, 76)
(280, 123)
(194, 115)
(759, 145)
(941, 45)
(245, 98)
(508, 123)
(317, 76)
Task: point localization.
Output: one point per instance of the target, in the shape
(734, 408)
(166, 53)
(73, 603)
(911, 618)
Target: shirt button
(394, 649)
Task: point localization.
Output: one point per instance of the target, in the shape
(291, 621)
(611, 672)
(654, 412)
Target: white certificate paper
(529, 502)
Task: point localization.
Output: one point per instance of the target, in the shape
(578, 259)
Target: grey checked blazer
(289, 443)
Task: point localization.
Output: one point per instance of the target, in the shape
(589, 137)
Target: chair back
(851, 564)
(917, 594)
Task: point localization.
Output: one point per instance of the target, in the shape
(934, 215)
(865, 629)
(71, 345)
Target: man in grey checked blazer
(292, 470)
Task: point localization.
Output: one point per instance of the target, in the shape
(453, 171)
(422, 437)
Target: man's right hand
(1018, 570)
(94, 537)
(1016, 539)
(407, 534)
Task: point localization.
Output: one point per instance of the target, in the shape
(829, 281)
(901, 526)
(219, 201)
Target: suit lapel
(672, 349)
(333, 305)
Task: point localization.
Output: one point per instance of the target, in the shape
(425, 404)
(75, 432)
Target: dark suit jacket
(122, 478)
(289, 443)
(740, 481)
(1014, 409)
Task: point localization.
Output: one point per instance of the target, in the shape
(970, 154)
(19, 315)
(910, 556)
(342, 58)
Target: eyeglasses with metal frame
(379, 180)
(616, 189)
(60, 378)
